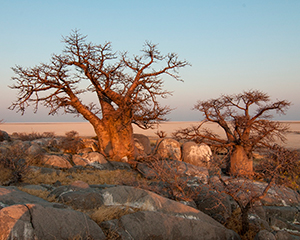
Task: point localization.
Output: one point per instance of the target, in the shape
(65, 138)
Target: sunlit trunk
(115, 135)
(240, 164)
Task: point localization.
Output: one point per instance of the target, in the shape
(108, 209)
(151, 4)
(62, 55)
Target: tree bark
(245, 220)
(240, 164)
(115, 135)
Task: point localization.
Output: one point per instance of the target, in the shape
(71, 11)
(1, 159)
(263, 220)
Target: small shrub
(71, 143)
(161, 134)
(32, 136)
(234, 223)
(14, 165)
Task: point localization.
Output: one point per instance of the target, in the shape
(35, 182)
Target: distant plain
(85, 129)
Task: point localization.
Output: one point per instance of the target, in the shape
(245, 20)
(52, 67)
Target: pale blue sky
(233, 45)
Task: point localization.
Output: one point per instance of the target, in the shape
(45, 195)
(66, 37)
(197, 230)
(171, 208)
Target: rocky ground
(62, 188)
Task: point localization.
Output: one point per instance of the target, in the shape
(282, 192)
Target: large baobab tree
(127, 89)
(246, 122)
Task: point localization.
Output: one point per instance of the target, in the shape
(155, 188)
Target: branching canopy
(118, 81)
(245, 119)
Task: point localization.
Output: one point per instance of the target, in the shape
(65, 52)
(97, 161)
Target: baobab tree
(245, 120)
(127, 89)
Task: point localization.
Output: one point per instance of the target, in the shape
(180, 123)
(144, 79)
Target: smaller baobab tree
(127, 90)
(245, 120)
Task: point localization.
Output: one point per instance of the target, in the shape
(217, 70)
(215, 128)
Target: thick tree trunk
(245, 220)
(240, 164)
(115, 136)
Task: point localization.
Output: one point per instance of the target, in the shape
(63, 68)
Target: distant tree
(127, 90)
(246, 122)
(279, 167)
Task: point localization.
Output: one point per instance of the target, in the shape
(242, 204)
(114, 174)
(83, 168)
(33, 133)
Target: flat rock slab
(153, 225)
(12, 195)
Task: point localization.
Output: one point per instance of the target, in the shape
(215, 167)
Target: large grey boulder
(199, 155)
(215, 204)
(149, 201)
(245, 189)
(156, 225)
(33, 221)
(84, 199)
(168, 148)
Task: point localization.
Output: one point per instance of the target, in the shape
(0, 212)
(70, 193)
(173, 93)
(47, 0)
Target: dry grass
(234, 223)
(39, 193)
(5, 175)
(32, 136)
(89, 176)
(106, 213)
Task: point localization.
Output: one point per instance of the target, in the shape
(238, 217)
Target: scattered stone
(90, 143)
(35, 150)
(198, 155)
(79, 184)
(264, 235)
(84, 199)
(94, 157)
(4, 136)
(168, 148)
(56, 161)
(144, 141)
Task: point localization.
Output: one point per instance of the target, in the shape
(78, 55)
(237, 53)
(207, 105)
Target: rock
(35, 187)
(288, 213)
(181, 169)
(264, 235)
(79, 195)
(90, 143)
(245, 188)
(56, 161)
(21, 145)
(144, 141)
(167, 148)
(12, 195)
(35, 150)
(153, 225)
(198, 155)
(33, 221)
(93, 157)
(215, 204)
(84, 199)
(4, 136)
(79, 184)
(149, 201)
(139, 150)
(79, 161)
(84, 150)
(44, 170)
(283, 235)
